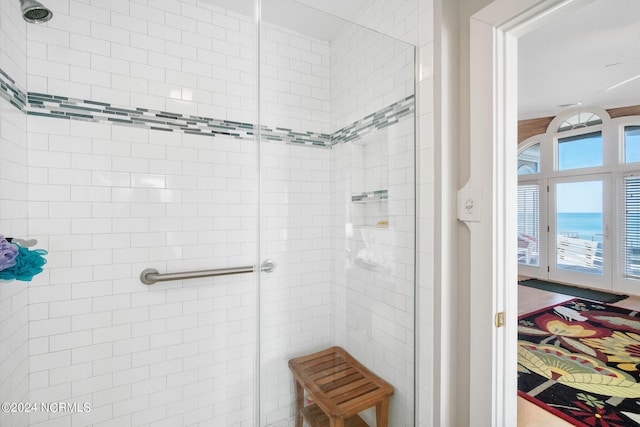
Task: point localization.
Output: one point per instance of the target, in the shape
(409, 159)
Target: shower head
(34, 12)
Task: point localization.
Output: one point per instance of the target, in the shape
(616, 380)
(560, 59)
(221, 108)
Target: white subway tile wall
(373, 301)
(110, 200)
(396, 18)
(187, 57)
(373, 298)
(14, 296)
(413, 22)
(118, 200)
(295, 80)
(13, 55)
(296, 298)
(369, 71)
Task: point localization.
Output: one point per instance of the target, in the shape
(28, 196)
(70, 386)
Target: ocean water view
(570, 254)
(583, 225)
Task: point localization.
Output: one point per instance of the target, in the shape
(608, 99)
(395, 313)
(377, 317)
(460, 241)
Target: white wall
(14, 379)
(373, 266)
(295, 80)
(426, 190)
(374, 298)
(167, 56)
(452, 394)
(109, 200)
(14, 385)
(369, 71)
(398, 18)
(395, 18)
(296, 298)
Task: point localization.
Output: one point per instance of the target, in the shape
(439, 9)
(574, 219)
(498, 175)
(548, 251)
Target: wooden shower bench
(340, 387)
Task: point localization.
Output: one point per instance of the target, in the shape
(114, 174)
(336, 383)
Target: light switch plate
(469, 205)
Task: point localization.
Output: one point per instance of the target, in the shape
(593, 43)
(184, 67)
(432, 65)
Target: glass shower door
(337, 201)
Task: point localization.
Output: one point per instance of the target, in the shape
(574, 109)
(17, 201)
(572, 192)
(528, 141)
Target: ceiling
(320, 19)
(590, 56)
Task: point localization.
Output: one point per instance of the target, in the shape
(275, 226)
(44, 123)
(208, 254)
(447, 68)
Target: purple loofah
(8, 254)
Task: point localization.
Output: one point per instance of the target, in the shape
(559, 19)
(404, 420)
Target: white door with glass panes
(532, 210)
(580, 240)
(628, 278)
(532, 241)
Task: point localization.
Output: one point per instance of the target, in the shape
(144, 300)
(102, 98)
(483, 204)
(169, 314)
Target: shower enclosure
(196, 135)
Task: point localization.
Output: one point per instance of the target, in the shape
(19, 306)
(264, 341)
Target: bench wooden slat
(325, 366)
(347, 387)
(338, 380)
(336, 370)
(339, 384)
(316, 418)
(317, 360)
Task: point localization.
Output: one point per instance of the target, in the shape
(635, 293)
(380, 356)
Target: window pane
(529, 160)
(631, 144)
(580, 151)
(632, 227)
(528, 224)
(579, 226)
(581, 120)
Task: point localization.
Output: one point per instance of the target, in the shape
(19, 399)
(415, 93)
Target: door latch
(499, 320)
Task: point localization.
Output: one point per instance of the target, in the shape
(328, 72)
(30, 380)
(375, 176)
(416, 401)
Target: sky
(580, 153)
(579, 196)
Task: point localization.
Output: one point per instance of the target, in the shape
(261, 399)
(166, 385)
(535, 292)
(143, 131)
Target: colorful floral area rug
(580, 360)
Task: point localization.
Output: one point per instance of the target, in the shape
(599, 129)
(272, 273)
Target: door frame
(494, 31)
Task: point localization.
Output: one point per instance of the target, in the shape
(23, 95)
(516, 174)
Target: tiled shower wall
(295, 80)
(296, 298)
(162, 55)
(108, 201)
(373, 269)
(373, 263)
(14, 350)
(369, 71)
(413, 22)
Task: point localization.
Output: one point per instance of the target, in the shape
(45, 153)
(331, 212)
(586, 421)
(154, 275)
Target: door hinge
(548, 269)
(499, 320)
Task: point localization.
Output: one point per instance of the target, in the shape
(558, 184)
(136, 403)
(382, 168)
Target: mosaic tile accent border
(82, 109)
(380, 119)
(10, 91)
(62, 107)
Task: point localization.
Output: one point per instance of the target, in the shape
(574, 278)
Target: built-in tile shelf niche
(371, 208)
(369, 181)
(370, 201)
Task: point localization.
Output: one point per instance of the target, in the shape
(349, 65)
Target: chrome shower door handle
(268, 266)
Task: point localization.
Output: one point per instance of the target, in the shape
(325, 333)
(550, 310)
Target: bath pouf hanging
(28, 264)
(8, 254)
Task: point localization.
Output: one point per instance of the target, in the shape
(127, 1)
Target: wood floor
(530, 299)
